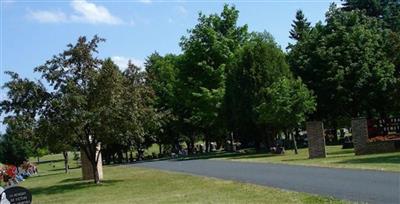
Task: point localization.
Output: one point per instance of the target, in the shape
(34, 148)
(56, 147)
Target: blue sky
(33, 31)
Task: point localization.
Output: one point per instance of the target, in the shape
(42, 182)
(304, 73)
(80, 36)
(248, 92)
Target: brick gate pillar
(359, 130)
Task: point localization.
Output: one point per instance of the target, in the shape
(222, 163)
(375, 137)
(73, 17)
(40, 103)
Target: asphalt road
(354, 185)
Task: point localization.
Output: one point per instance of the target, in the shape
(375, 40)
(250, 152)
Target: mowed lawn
(139, 185)
(336, 158)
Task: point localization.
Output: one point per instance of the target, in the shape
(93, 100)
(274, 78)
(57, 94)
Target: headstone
(316, 139)
(16, 195)
(87, 170)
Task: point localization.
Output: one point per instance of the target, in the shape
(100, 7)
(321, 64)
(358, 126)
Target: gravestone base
(316, 139)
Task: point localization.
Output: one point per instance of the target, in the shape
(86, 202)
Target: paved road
(354, 185)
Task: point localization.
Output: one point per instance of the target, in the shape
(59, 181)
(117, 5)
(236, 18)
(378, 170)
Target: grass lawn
(139, 185)
(336, 157)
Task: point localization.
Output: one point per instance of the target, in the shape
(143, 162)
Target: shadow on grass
(392, 159)
(70, 187)
(45, 175)
(329, 156)
(69, 180)
(62, 169)
(50, 161)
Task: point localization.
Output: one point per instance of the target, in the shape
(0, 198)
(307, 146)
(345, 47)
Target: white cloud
(84, 12)
(122, 62)
(48, 16)
(92, 13)
(182, 10)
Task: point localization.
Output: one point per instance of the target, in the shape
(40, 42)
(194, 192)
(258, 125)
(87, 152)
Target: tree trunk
(126, 156)
(66, 166)
(96, 177)
(38, 159)
(294, 143)
(207, 143)
(233, 148)
(120, 157)
(160, 148)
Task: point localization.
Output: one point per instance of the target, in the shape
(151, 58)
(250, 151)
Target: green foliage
(24, 101)
(161, 76)
(287, 103)
(387, 10)
(346, 64)
(300, 26)
(13, 149)
(140, 119)
(201, 76)
(257, 65)
(226, 80)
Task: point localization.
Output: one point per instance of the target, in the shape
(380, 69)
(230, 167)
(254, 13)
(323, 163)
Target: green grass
(336, 157)
(139, 185)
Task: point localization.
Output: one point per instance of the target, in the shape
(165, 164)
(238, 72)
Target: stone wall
(316, 139)
(87, 170)
(359, 128)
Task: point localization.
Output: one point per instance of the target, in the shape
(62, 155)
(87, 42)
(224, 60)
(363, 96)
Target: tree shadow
(71, 187)
(393, 159)
(44, 175)
(50, 161)
(68, 180)
(62, 169)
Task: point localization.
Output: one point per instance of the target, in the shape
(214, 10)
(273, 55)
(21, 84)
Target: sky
(32, 31)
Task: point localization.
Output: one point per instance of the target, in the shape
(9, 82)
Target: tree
(300, 26)
(140, 120)
(286, 105)
(387, 11)
(14, 149)
(74, 78)
(201, 76)
(255, 67)
(346, 65)
(161, 76)
(25, 99)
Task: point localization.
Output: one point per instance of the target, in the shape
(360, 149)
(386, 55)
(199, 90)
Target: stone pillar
(316, 139)
(359, 128)
(87, 171)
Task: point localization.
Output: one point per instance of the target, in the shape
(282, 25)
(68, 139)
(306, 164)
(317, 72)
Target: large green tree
(201, 77)
(161, 76)
(23, 104)
(286, 105)
(140, 120)
(388, 12)
(14, 149)
(346, 64)
(84, 98)
(256, 66)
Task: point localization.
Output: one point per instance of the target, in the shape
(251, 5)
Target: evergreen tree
(300, 26)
